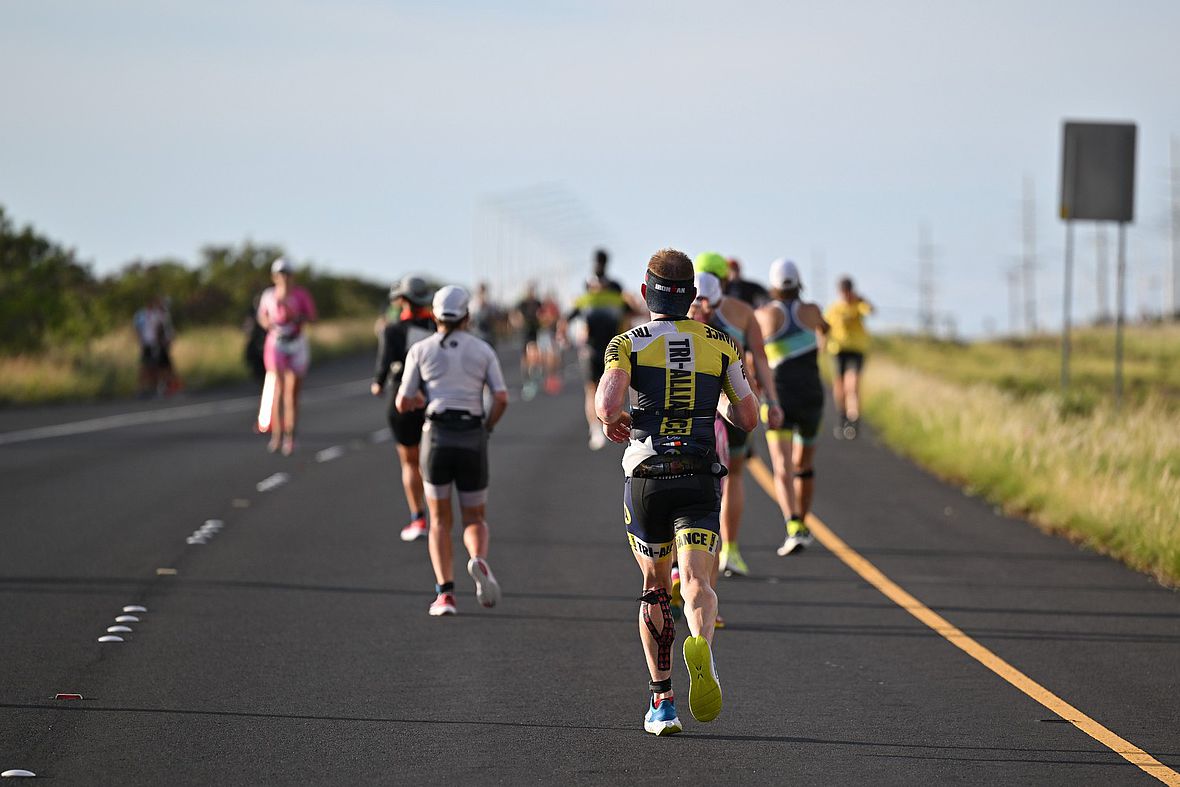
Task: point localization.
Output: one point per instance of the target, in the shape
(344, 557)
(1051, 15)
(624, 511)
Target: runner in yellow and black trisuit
(676, 370)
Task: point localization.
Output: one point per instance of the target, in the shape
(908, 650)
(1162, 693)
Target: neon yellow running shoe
(732, 563)
(704, 689)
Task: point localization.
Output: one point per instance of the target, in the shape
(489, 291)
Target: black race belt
(678, 467)
(457, 420)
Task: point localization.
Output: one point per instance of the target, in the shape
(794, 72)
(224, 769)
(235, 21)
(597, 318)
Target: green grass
(204, 357)
(989, 416)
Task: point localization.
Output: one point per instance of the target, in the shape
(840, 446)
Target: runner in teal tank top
(793, 328)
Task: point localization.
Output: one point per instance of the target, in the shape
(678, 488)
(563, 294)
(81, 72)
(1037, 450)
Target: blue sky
(365, 135)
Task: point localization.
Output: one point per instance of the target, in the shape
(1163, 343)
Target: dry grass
(1110, 480)
(109, 365)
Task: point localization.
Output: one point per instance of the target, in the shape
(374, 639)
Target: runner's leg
(733, 502)
(700, 602)
(804, 486)
(780, 446)
(656, 575)
(852, 393)
(440, 538)
(475, 530)
(591, 418)
(838, 391)
(411, 478)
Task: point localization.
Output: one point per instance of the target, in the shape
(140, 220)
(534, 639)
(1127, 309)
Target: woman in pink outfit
(283, 311)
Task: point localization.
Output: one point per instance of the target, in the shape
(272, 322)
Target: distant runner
(678, 369)
(606, 312)
(790, 326)
(526, 318)
(847, 344)
(735, 286)
(446, 375)
(283, 310)
(737, 319)
(412, 297)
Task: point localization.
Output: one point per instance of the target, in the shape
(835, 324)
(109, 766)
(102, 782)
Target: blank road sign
(1098, 172)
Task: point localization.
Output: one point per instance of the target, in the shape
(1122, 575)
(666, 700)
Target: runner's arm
(813, 319)
(410, 396)
(765, 380)
(495, 381)
(742, 407)
(610, 404)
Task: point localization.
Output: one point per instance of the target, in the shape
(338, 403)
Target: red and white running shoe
(487, 589)
(443, 605)
(415, 530)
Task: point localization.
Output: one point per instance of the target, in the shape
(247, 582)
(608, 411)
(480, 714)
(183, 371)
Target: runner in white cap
(446, 375)
(792, 328)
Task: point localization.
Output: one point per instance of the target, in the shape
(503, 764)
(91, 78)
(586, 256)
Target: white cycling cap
(450, 303)
(708, 287)
(784, 275)
(282, 265)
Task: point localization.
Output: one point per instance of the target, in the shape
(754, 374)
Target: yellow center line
(895, 593)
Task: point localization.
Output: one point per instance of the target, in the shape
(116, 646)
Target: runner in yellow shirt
(848, 342)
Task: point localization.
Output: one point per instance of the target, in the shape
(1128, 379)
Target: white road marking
(272, 482)
(381, 436)
(328, 454)
(170, 414)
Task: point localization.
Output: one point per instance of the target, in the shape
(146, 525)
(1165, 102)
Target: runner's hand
(375, 389)
(417, 401)
(620, 430)
(774, 417)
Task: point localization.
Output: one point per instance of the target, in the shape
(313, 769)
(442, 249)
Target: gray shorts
(458, 457)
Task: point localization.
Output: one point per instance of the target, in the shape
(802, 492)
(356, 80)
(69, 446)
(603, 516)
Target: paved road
(294, 647)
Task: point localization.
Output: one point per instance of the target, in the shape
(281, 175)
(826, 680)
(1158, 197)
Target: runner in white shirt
(446, 375)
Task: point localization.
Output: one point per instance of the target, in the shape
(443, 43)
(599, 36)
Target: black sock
(446, 587)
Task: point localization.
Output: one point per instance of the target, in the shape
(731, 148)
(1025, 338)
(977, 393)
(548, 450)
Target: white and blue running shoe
(661, 717)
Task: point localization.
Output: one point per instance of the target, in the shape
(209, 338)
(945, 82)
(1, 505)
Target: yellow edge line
(956, 637)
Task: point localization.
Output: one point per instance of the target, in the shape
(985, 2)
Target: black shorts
(458, 457)
(663, 515)
(846, 361)
(594, 364)
(406, 427)
(739, 441)
(803, 409)
(149, 356)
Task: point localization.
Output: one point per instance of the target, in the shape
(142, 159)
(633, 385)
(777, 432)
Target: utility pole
(1029, 262)
(1102, 274)
(925, 282)
(1012, 276)
(1173, 294)
(820, 272)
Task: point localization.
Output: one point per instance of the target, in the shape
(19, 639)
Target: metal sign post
(1097, 183)
(1120, 315)
(1065, 316)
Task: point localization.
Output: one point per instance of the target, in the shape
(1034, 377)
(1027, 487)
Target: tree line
(49, 297)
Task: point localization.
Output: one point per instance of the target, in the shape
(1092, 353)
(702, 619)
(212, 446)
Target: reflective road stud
(16, 772)
(61, 696)
(134, 608)
(110, 638)
(118, 630)
(126, 619)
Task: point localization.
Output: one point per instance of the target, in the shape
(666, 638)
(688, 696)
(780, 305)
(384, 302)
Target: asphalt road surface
(294, 646)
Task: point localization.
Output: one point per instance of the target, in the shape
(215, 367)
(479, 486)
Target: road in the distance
(294, 646)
